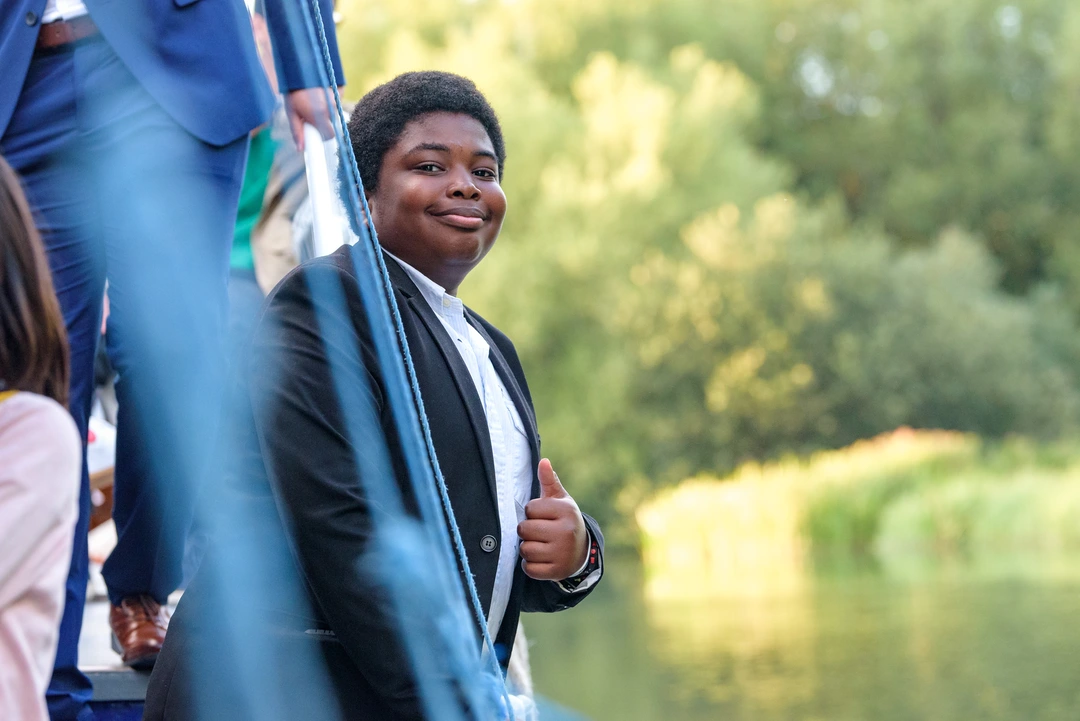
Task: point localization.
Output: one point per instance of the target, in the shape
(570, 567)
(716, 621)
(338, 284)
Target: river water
(846, 647)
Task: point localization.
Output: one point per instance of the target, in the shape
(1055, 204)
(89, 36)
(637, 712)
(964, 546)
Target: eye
(429, 167)
(486, 173)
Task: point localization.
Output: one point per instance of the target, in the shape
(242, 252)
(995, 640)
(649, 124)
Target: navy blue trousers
(122, 192)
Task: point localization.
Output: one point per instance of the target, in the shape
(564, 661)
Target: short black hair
(379, 118)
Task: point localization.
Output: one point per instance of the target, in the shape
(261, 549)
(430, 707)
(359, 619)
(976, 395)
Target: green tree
(922, 114)
(725, 243)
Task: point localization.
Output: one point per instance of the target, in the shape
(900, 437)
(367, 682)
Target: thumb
(550, 487)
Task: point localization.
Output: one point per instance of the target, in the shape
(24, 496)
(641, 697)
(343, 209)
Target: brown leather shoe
(138, 630)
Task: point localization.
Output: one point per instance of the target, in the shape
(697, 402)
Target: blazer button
(488, 544)
(31, 19)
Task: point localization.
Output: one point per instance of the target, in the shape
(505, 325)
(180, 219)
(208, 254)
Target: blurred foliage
(748, 228)
(903, 501)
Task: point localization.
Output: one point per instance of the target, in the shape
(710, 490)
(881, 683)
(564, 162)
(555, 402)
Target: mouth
(466, 218)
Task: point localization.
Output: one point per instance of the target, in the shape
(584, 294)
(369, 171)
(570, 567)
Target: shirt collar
(436, 296)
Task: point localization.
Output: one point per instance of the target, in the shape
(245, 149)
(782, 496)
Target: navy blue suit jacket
(197, 58)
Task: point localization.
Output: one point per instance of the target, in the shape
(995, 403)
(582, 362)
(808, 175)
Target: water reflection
(954, 646)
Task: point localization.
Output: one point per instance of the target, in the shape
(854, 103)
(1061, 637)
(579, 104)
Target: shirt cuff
(586, 576)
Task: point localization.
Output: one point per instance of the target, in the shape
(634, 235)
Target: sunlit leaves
(746, 228)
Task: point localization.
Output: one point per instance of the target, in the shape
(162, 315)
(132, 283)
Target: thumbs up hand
(554, 542)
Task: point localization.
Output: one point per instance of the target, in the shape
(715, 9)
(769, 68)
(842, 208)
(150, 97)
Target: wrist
(589, 570)
(582, 558)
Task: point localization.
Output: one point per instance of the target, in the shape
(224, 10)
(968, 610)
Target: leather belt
(64, 32)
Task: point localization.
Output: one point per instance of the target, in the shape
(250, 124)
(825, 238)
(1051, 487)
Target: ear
(370, 197)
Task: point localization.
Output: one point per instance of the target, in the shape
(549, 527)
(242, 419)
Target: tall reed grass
(900, 500)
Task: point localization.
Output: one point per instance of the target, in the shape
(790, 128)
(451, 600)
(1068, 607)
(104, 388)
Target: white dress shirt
(509, 443)
(62, 10)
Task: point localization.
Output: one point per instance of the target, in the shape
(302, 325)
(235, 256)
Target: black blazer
(295, 499)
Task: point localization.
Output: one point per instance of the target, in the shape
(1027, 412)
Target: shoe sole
(142, 663)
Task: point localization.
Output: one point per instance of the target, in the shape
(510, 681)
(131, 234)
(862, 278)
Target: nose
(462, 186)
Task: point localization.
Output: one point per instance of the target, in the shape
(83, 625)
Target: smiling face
(438, 204)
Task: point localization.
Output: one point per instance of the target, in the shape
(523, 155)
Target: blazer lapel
(458, 371)
(523, 408)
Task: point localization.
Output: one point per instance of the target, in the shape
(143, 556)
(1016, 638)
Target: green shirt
(256, 178)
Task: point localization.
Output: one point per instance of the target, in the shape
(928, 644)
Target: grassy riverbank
(903, 501)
